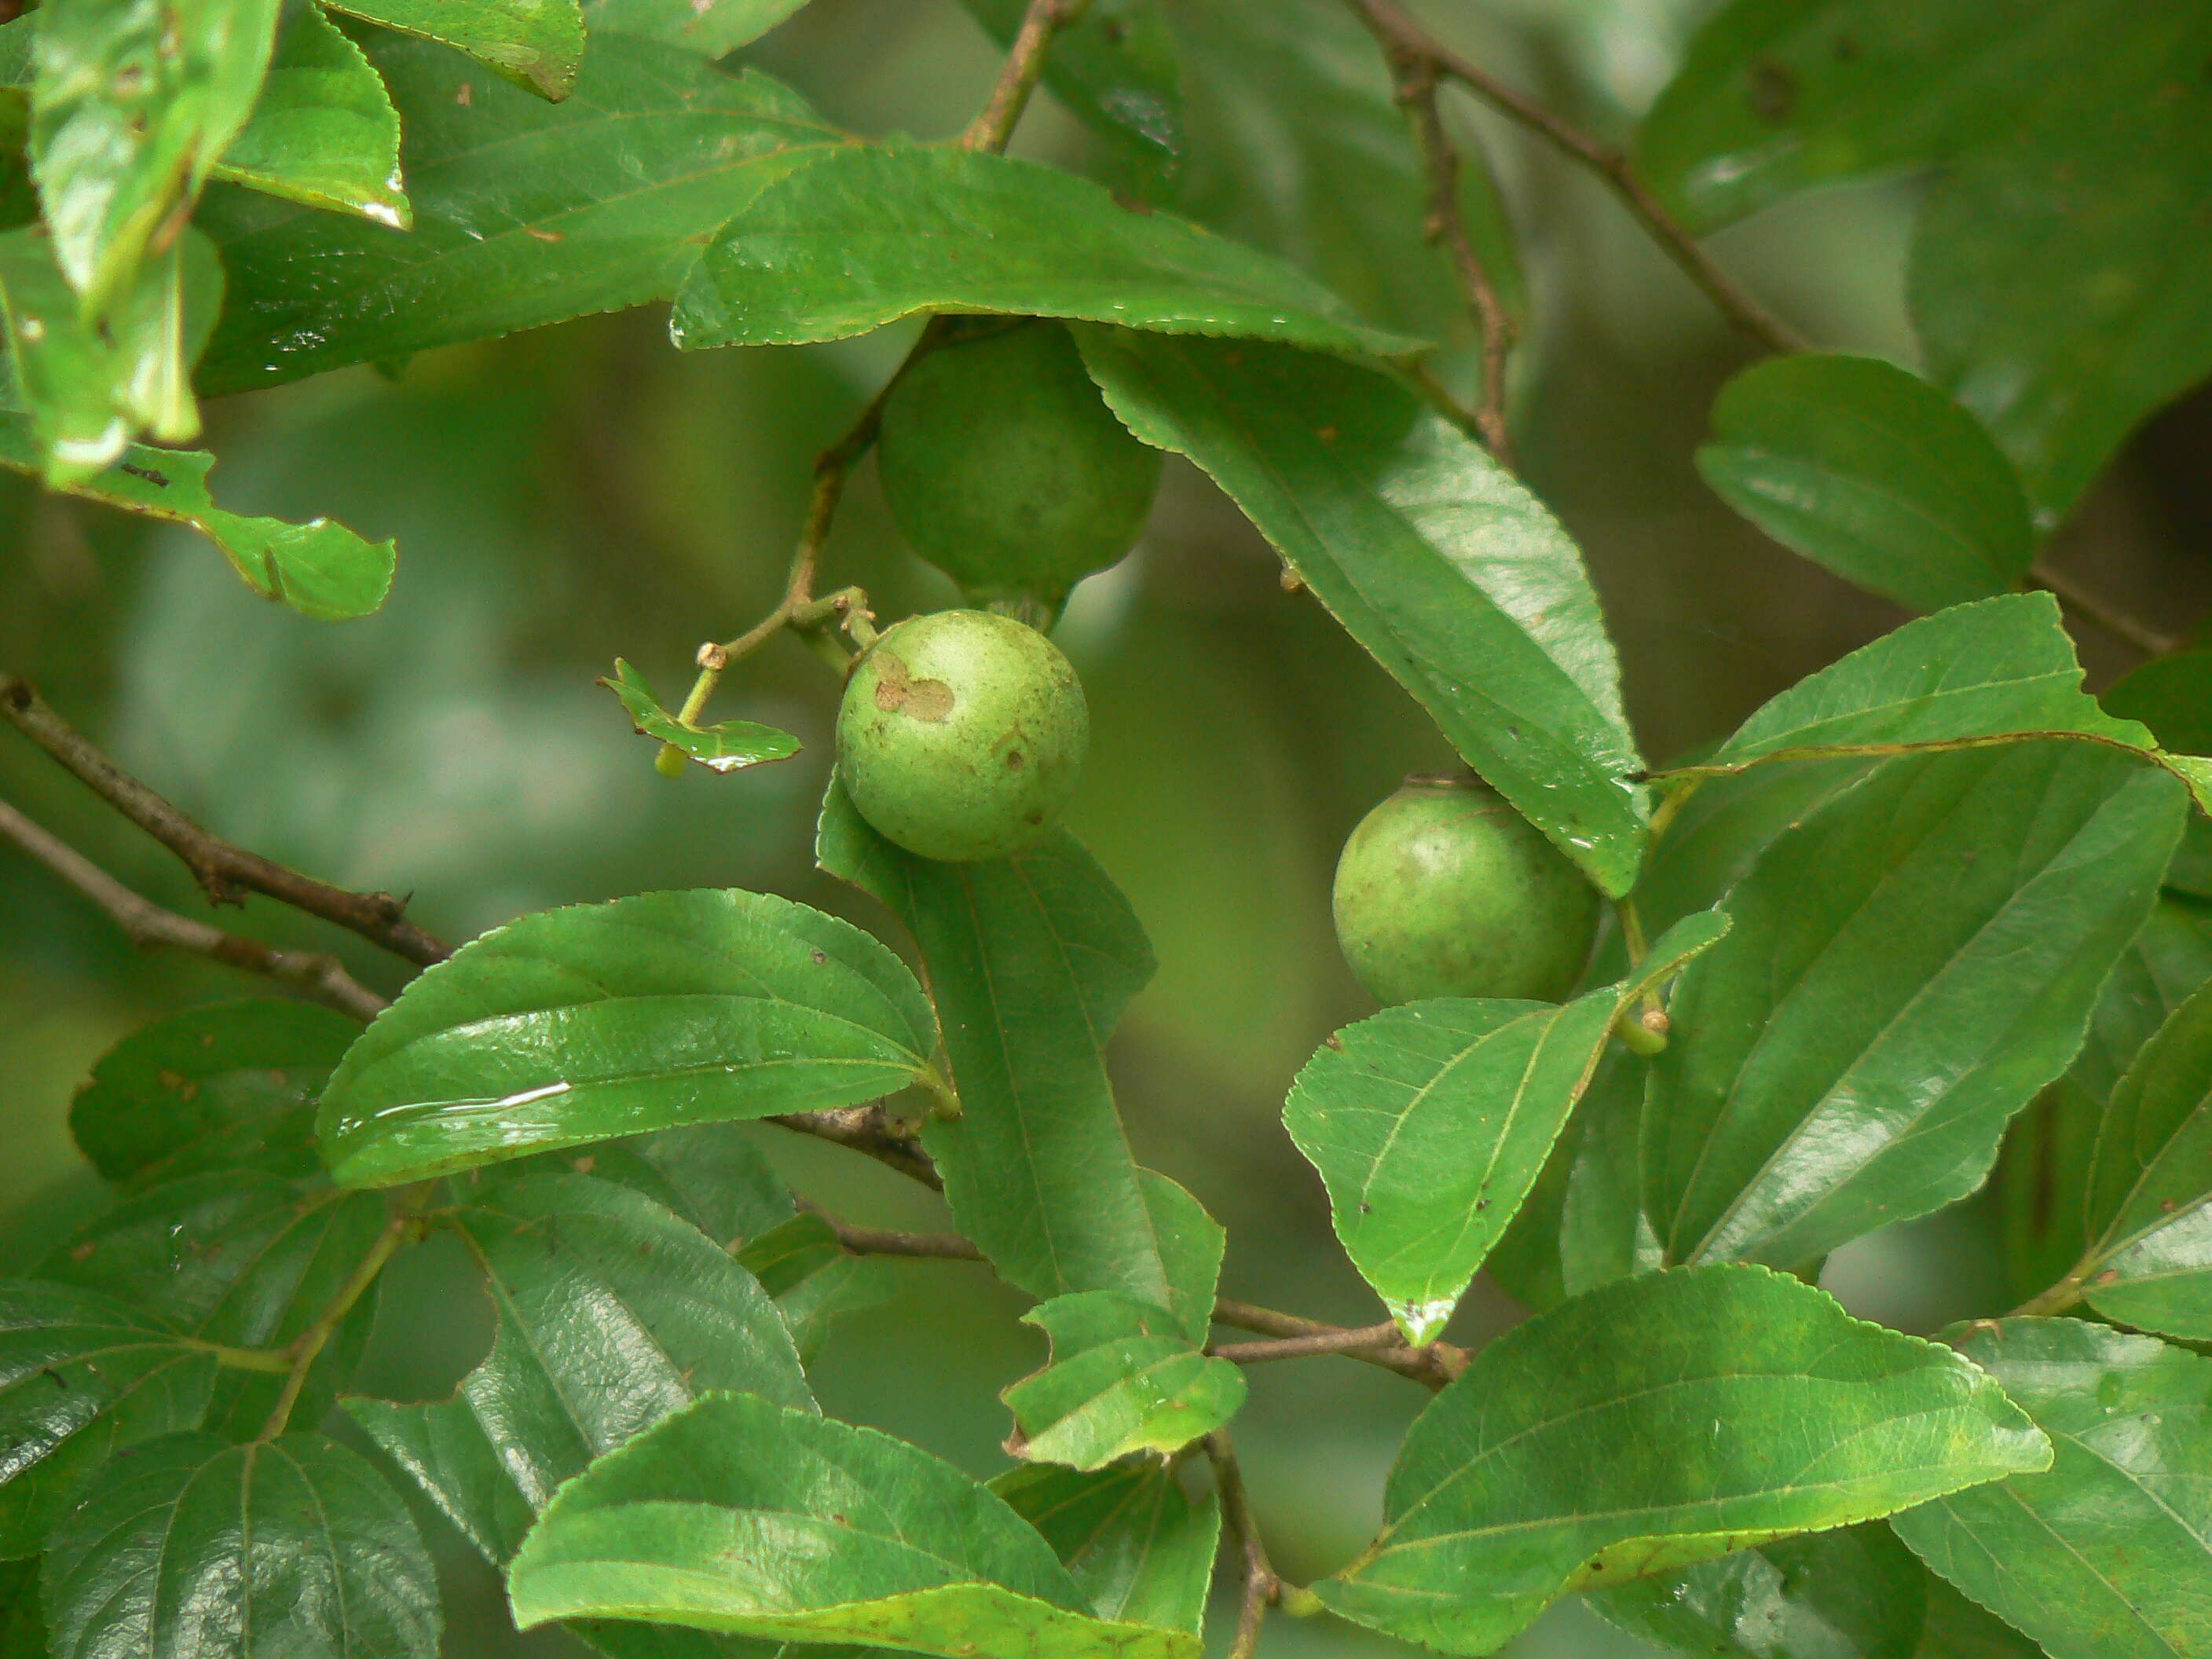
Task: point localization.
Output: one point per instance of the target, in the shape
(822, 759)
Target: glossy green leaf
(1656, 1422)
(1297, 146)
(131, 106)
(2043, 1173)
(1031, 960)
(1431, 556)
(718, 1180)
(243, 1259)
(738, 1515)
(864, 235)
(727, 747)
(1124, 1378)
(526, 213)
(1853, 1594)
(1191, 1244)
(712, 28)
(324, 132)
(1140, 1550)
(2061, 282)
(1908, 964)
(320, 568)
(1430, 1122)
(814, 1279)
(81, 1376)
(1957, 1628)
(194, 1546)
(1873, 473)
(2149, 1200)
(22, 1620)
(535, 43)
(599, 1020)
(1116, 70)
(228, 1085)
(612, 1313)
(1777, 96)
(1998, 669)
(2109, 1554)
(1604, 1232)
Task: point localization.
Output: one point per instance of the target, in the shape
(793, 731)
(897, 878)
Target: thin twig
(225, 873)
(1435, 1365)
(1415, 74)
(881, 1241)
(1356, 1343)
(2121, 626)
(1295, 1336)
(872, 1131)
(1262, 1588)
(995, 124)
(1405, 36)
(148, 925)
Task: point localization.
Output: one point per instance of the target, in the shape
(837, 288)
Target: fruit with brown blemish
(1444, 890)
(1002, 465)
(961, 735)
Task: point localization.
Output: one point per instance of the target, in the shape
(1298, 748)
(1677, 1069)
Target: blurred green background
(567, 496)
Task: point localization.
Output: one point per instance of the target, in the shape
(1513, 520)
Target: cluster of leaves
(1921, 890)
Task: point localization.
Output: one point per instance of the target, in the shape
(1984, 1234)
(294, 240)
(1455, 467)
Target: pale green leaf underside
(323, 132)
(1124, 1378)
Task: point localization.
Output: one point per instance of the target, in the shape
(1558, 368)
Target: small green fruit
(1444, 890)
(1003, 466)
(961, 735)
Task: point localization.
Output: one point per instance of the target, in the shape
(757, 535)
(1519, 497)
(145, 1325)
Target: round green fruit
(961, 735)
(1444, 890)
(1003, 466)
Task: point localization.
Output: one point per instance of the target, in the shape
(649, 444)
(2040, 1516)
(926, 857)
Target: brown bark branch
(871, 1131)
(148, 926)
(1435, 1365)
(225, 873)
(1357, 1343)
(1262, 1588)
(1402, 35)
(1415, 75)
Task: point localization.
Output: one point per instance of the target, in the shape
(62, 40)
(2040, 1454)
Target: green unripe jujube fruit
(1444, 890)
(961, 735)
(1002, 465)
